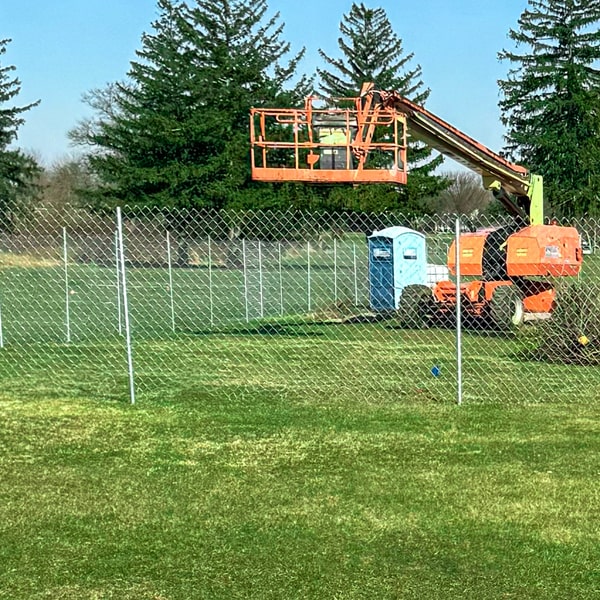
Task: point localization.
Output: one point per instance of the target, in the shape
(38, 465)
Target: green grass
(248, 492)
(34, 299)
(297, 460)
(282, 458)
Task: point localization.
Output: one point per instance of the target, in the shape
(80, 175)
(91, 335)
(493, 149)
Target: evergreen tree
(17, 170)
(177, 132)
(551, 100)
(372, 51)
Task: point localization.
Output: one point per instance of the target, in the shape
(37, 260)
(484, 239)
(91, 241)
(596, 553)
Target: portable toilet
(397, 258)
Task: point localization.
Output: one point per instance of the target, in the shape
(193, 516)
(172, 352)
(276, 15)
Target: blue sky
(63, 48)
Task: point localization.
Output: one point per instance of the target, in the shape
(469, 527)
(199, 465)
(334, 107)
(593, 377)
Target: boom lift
(364, 140)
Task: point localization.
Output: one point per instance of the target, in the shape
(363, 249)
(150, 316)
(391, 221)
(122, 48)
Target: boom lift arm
(518, 190)
(367, 143)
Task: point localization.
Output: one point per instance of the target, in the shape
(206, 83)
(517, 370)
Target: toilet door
(381, 274)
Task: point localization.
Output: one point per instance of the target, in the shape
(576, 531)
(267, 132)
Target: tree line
(174, 131)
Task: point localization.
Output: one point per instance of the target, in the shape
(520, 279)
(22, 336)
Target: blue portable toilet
(397, 258)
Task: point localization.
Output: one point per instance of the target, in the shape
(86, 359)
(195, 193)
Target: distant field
(34, 298)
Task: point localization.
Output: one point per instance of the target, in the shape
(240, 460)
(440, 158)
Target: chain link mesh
(59, 310)
(294, 303)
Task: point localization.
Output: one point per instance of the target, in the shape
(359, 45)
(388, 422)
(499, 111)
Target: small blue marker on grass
(436, 370)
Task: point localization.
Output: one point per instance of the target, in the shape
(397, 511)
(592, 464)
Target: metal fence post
(280, 281)
(1, 326)
(245, 280)
(308, 278)
(355, 274)
(260, 281)
(126, 307)
(67, 291)
(170, 266)
(210, 285)
(118, 272)
(458, 316)
(335, 271)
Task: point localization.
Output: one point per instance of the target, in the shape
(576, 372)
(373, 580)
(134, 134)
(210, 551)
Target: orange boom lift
(363, 140)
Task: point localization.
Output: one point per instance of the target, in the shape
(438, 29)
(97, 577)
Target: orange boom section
(537, 250)
(546, 250)
(356, 141)
(471, 254)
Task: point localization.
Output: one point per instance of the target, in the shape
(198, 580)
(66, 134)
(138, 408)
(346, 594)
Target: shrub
(572, 334)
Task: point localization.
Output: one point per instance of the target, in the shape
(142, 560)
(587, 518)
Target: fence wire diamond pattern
(245, 302)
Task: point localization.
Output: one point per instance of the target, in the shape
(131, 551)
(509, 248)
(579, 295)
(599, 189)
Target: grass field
(282, 458)
(217, 487)
(34, 299)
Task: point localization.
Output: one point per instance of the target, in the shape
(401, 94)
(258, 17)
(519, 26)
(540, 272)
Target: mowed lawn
(342, 476)
(288, 458)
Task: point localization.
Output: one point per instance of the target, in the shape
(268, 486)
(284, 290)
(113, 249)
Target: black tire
(506, 308)
(415, 307)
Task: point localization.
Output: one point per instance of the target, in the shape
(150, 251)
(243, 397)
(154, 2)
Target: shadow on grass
(283, 328)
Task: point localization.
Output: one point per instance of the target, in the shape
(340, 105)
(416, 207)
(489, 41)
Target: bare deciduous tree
(61, 184)
(464, 195)
(103, 101)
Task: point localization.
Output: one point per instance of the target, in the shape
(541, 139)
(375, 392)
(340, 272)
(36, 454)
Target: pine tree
(176, 133)
(17, 170)
(372, 51)
(551, 100)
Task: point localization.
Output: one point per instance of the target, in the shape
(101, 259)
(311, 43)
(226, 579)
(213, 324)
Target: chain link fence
(295, 303)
